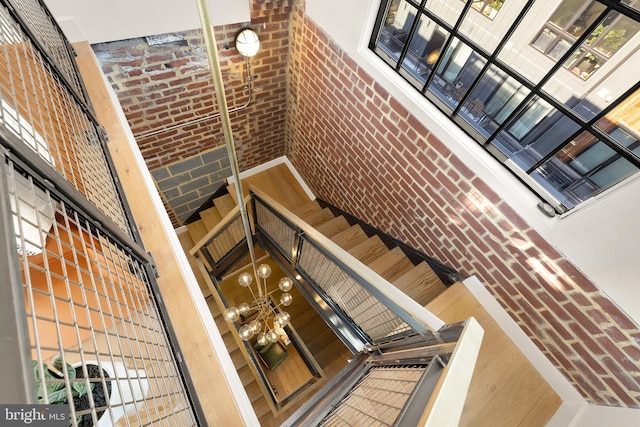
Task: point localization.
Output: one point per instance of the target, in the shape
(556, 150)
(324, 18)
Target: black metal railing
(376, 310)
(223, 245)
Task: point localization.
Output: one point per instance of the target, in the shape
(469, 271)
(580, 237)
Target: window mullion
(493, 57)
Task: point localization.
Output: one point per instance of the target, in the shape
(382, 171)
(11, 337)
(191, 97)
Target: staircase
(417, 280)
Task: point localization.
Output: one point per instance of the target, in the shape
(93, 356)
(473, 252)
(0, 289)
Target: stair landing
(279, 183)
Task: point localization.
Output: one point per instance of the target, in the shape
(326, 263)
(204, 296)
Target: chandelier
(269, 320)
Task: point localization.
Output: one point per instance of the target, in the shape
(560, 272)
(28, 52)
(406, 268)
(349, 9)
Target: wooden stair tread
(350, 237)
(307, 207)
(211, 217)
(420, 283)
(225, 204)
(197, 230)
(237, 358)
(279, 183)
(369, 250)
(333, 226)
(391, 265)
(315, 218)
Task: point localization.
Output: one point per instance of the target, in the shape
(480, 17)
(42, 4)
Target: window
(488, 8)
(567, 138)
(569, 23)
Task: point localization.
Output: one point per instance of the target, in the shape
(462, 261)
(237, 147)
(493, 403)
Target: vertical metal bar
(216, 73)
(16, 367)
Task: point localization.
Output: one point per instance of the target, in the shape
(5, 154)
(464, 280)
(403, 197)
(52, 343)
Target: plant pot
(126, 392)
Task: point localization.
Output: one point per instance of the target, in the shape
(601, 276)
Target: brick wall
(361, 150)
(165, 81)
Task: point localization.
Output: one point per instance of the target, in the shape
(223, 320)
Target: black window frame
(535, 89)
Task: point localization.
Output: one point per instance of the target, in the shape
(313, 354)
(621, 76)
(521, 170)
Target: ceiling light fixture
(269, 320)
(247, 42)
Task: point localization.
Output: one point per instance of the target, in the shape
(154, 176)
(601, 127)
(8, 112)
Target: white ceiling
(102, 21)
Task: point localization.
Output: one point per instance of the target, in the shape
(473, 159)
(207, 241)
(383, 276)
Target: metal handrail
(218, 229)
(408, 310)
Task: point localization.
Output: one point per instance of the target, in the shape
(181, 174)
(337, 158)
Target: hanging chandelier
(269, 319)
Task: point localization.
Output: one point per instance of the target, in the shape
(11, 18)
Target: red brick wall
(361, 150)
(162, 85)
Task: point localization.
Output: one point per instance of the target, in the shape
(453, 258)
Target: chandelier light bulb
(231, 314)
(256, 326)
(244, 308)
(283, 318)
(285, 284)
(245, 332)
(272, 336)
(245, 279)
(286, 299)
(264, 270)
(262, 339)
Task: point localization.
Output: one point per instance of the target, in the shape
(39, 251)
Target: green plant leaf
(80, 388)
(58, 396)
(57, 364)
(72, 372)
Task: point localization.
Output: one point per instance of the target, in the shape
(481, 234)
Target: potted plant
(56, 388)
(126, 389)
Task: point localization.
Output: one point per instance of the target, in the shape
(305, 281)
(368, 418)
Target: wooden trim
(446, 404)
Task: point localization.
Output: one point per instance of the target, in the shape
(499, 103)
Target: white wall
(602, 237)
(99, 21)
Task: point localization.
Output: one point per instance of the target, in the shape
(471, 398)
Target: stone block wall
(361, 150)
(188, 184)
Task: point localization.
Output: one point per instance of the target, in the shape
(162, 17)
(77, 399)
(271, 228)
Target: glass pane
(614, 36)
(449, 11)
(560, 49)
(534, 133)
(566, 12)
(589, 101)
(585, 66)
(582, 169)
(545, 39)
(522, 51)
(424, 49)
(457, 71)
(578, 53)
(635, 4)
(494, 98)
(485, 26)
(395, 31)
(584, 19)
(623, 121)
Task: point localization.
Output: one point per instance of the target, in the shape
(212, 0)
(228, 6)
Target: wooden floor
(279, 183)
(505, 390)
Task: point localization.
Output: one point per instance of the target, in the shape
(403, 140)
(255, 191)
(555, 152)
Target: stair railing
(352, 294)
(224, 244)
